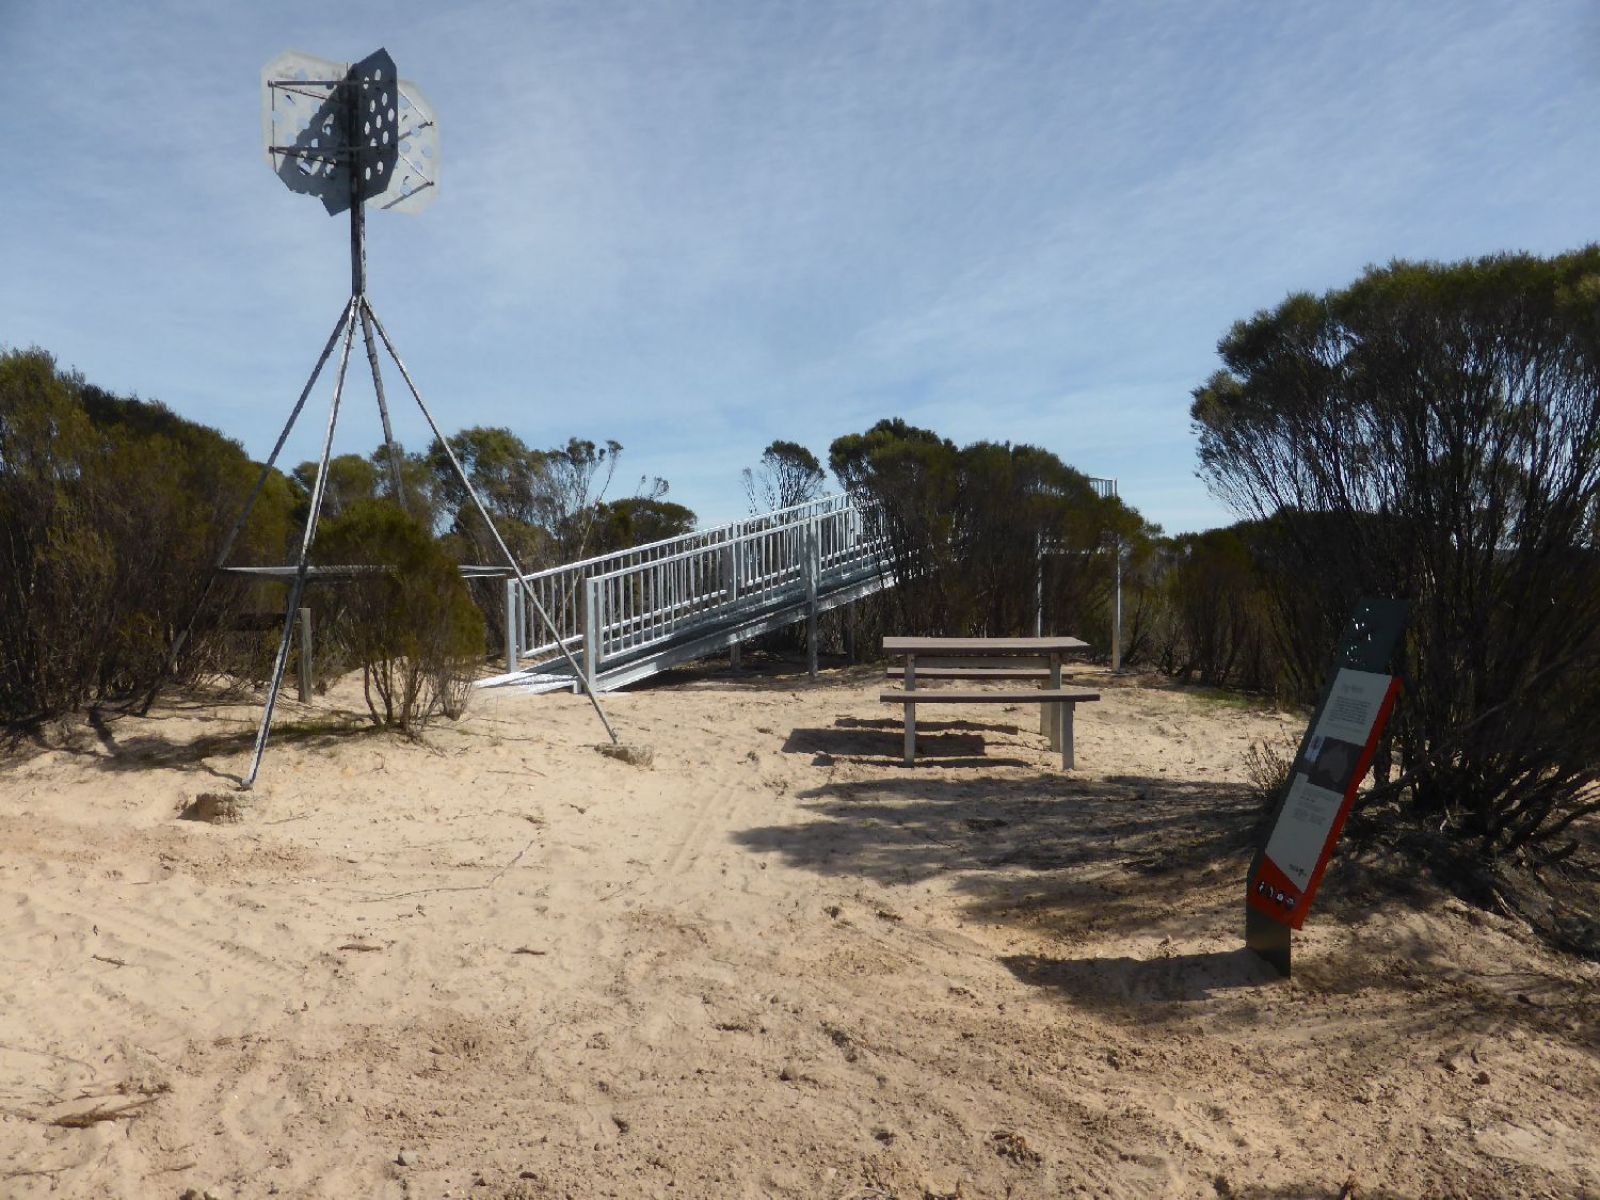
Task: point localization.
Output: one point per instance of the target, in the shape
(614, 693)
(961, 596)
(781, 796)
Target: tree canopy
(1433, 432)
(967, 527)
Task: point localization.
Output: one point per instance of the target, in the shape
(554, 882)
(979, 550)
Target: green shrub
(411, 625)
(112, 512)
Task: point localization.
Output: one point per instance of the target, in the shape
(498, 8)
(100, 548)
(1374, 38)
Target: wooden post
(1064, 731)
(1049, 714)
(305, 656)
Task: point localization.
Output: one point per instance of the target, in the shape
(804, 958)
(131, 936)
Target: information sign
(1334, 757)
(1322, 788)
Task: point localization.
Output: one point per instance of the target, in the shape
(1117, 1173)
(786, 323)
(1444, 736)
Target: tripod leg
(249, 506)
(298, 590)
(505, 550)
(383, 408)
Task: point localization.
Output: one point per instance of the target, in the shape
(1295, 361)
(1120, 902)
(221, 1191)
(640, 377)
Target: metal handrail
(639, 607)
(650, 593)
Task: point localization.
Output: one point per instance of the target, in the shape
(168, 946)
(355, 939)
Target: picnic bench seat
(1061, 699)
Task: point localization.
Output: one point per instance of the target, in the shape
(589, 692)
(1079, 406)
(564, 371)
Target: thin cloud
(697, 227)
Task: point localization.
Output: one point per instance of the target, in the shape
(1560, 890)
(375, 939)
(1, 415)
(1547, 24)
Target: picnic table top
(943, 696)
(978, 646)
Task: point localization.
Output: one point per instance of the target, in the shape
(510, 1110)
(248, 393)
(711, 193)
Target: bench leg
(1064, 730)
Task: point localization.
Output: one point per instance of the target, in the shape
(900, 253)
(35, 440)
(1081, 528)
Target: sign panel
(1322, 788)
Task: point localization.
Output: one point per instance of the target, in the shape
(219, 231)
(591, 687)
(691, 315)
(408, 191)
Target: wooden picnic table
(963, 654)
(969, 658)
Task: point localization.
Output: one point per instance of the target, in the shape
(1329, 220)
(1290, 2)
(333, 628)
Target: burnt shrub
(1432, 432)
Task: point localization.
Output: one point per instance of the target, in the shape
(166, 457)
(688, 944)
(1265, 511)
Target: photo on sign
(1331, 763)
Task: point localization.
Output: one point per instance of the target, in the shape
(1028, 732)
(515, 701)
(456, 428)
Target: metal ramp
(627, 615)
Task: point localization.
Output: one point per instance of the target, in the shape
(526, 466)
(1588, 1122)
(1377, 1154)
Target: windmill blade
(321, 121)
(415, 180)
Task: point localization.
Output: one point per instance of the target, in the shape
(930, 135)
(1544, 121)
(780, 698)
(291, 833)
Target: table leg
(911, 711)
(1055, 710)
(1068, 760)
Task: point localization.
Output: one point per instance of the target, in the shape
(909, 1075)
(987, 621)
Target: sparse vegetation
(114, 509)
(1433, 432)
(110, 510)
(412, 628)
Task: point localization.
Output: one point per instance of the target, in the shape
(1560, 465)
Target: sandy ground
(775, 964)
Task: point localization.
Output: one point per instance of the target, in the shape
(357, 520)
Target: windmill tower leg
(318, 491)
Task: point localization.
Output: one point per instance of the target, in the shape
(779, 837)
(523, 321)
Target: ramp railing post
(591, 631)
(511, 626)
(730, 574)
(522, 622)
(812, 566)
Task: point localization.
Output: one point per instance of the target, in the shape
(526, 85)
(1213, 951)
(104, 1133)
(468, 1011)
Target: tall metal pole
(1038, 585)
(358, 309)
(358, 287)
(1116, 616)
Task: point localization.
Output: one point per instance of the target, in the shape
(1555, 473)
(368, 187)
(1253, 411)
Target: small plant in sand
(413, 628)
(1266, 765)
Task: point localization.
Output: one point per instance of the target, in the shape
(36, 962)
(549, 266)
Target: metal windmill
(352, 136)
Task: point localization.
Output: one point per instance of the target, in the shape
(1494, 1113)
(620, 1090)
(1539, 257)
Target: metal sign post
(1334, 757)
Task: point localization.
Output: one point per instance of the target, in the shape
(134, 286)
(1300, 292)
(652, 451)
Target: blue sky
(696, 227)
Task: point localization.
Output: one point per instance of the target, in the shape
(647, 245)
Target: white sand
(776, 963)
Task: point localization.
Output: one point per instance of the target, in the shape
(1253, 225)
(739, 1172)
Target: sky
(696, 227)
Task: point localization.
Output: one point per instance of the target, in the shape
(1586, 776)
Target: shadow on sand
(882, 743)
(114, 752)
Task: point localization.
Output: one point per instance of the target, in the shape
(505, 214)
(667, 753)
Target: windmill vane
(349, 134)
